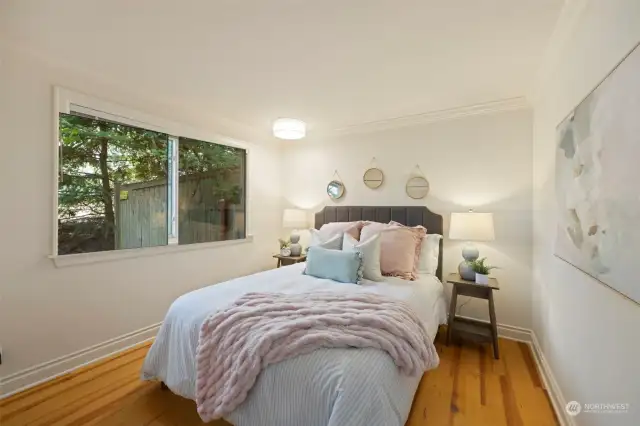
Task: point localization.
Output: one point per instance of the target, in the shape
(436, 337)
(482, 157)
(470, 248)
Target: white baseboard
(40, 373)
(555, 393)
(514, 333)
(510, 332)
(548, 379)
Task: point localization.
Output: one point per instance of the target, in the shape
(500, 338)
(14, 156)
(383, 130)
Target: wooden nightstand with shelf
(289, 260)
(477, 330)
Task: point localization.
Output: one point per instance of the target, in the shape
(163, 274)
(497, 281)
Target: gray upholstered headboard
(410, 216)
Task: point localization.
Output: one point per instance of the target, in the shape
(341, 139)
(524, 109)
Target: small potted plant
(285, 249)
(481, 270)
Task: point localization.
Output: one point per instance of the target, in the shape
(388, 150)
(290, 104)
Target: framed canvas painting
(598, 181)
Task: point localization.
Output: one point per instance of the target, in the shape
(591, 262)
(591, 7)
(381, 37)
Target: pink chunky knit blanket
(260, 329)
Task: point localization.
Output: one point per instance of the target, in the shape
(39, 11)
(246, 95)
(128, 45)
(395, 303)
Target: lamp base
(466, 272)
(469, 253)
(296, 248)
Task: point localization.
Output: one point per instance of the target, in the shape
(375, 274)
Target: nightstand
(478, 329)
(289, 260)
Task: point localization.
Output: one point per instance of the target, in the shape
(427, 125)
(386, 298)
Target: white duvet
(329, 387)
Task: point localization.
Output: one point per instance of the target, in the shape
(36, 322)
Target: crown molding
(501, 105)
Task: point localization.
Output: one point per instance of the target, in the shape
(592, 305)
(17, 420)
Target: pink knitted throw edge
(260, 329)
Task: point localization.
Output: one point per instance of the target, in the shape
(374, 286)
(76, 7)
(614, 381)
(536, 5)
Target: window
(126, 187)
(210, 192)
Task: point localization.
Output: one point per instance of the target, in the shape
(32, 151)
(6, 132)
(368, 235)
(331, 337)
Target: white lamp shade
(471, 226)
(294, 219)
(289, 128)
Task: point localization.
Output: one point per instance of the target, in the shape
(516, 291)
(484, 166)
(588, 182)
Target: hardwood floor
(468, 388)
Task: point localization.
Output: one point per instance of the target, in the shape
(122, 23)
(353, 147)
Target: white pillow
(370, 251)
(334, 228)
(429, 254)
(319, 239)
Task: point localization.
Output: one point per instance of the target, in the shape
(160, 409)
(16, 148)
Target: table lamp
(295, 219)
(470, 227)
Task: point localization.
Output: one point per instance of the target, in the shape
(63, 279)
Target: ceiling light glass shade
(289, 128)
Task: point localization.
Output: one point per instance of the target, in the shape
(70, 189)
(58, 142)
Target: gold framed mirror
(417, 187)
(335, 189)
(373, 178)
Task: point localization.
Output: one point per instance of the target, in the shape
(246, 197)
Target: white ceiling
(332, 63)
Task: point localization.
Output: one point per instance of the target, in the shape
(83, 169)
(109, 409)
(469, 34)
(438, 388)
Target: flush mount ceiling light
(289, 128)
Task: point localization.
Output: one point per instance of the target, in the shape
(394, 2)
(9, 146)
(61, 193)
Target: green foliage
(284, 243)
(212, 161)
(95, 154)
(479, 266)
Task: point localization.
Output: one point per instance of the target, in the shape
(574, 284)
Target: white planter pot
(482, 279)
(285, 251)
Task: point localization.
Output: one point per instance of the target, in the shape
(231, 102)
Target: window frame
(67, 101)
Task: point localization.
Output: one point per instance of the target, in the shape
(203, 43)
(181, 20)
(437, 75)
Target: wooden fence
(142, 217)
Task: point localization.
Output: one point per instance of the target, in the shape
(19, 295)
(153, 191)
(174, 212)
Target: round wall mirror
(417, 187)
(335, 189)
(373, 178)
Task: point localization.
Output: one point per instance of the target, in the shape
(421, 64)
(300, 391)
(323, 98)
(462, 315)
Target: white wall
(47, 312)
(589, 334)
(483, 162)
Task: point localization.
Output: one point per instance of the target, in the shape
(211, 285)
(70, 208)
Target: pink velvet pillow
(421, 232)
(335, 228)
(399, 248)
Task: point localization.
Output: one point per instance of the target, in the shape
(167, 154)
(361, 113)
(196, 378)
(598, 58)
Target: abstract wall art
(598, 181)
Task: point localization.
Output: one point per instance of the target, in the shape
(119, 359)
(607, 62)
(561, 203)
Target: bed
(327, 387)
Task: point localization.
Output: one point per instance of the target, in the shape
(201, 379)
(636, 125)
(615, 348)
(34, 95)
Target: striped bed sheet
(328, 387)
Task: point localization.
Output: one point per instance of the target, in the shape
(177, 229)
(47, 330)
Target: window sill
(109, 256)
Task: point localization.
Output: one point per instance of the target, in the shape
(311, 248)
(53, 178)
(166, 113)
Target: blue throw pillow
(341, 266)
